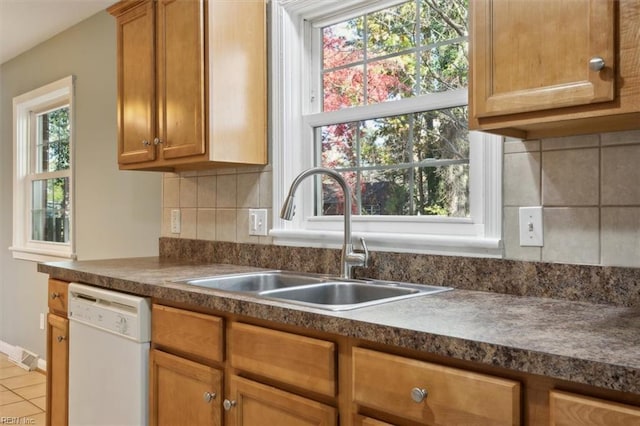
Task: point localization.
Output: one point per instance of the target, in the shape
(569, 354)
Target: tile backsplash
(214, 204)
(589, 187)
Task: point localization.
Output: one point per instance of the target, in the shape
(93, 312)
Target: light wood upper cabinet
(191, 83)
(531, 70)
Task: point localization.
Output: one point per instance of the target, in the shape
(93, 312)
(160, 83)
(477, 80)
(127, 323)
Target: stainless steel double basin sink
(313, 290)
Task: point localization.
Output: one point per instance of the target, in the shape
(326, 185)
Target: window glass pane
(391, 79)
(343, 88)
(52, 141)
(392, 30)
(444, 68)
(441, 134)
(339, 145)
(442, 20)
(343, 43)
(50, 210)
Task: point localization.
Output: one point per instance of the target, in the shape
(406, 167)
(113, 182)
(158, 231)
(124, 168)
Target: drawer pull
(61, 338)
(228, 405)
(209, 396)
(418, 395)
(55, 295)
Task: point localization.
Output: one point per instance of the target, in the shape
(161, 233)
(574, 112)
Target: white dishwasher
(109, 336)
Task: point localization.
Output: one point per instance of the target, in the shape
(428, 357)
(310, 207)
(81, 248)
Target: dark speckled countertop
(581, 342)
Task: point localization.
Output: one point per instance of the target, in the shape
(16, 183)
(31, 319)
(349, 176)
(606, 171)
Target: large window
(43, 172)
(377, 90)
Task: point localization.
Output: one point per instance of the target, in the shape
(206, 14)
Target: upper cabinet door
(136, 84)
(181, 77)
(535, 55)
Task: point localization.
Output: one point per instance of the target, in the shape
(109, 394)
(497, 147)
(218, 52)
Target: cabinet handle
(157, 141)
(146, 142)
(55, 295)
(418, 395)
(596, 63)
(228, 405)
(209, 396)
(61, 338)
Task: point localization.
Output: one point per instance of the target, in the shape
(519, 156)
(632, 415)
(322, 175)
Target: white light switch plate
(530, 223)
(175, 221)
(258, 222)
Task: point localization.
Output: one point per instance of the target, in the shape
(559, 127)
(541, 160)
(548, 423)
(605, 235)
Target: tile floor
(22, 394)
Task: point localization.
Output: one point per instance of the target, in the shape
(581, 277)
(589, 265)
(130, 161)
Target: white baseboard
(7, 349)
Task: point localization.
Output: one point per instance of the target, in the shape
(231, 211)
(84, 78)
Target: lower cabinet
(57, 355)
(432, 394)
(183, 391)
(57, 370)
(568, 409)
(255, 404)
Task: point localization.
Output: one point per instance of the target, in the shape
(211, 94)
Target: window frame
(294, 116)
(25, 108)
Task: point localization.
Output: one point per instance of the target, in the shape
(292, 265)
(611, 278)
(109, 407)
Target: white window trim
(23, 247)
(479, 236)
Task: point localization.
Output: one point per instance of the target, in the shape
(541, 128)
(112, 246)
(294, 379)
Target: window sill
(402, 243)
(40, 255)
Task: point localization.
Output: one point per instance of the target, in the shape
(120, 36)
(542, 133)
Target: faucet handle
(365, 252)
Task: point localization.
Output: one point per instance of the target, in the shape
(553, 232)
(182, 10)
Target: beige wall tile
(226, 191)
(207, 191)
(206, 224)
(189, 191)
(621, 175)
(242, 230)
(227, 171)
(512, 146)
(248, 190)
(521, 180)
(188, 223)
(571, 142)
(226, 225)
(511, 240)
(621, 236)
(571, 235)
(266, 190)
(621, 138)
(570, 178)
(171, 192)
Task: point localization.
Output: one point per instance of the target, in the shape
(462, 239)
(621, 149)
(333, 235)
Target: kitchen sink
(313, 290)
(257, 281)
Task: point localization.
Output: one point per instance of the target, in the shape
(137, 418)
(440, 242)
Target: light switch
(175, 221)
(258, 222)
(531, 226)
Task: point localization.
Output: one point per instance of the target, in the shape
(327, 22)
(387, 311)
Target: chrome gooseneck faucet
(350, 257)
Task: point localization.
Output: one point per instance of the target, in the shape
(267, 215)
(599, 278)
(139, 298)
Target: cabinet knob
(209, 396)
(146, 142)
(596, 63)
(418, 395)
(157, 141)
(228, 404)
(61, 338)
(55, 295)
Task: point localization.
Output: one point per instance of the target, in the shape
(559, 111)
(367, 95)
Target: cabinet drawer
(300, 361)
(188, 332)
(571, 409)
(453, 396)
(58, 296)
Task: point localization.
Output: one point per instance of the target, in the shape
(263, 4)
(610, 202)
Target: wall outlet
(41, 321)
(175, 221)
(531, 226)
(258, 222)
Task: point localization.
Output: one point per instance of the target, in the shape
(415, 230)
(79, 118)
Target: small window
(43, 172)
